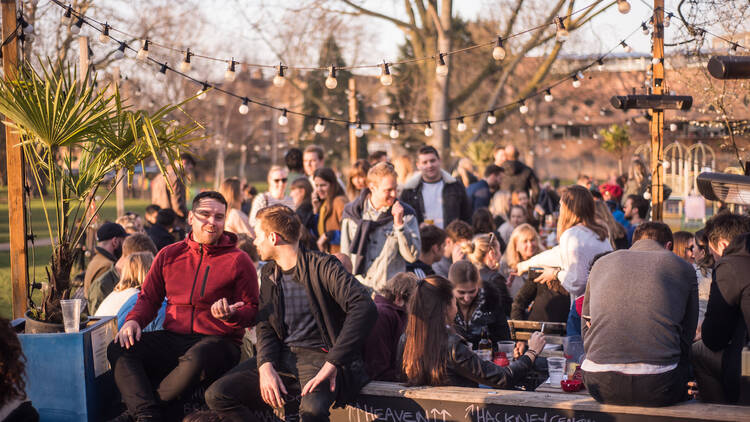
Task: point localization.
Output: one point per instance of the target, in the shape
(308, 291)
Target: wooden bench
(522, 330)
(391, 402)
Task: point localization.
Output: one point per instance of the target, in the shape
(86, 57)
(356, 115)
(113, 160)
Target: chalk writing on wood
(364, 413)
(480, 413)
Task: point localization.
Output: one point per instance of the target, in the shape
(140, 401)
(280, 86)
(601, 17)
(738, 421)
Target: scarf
(354, 211)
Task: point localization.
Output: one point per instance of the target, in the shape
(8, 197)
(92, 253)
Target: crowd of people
(297, 296)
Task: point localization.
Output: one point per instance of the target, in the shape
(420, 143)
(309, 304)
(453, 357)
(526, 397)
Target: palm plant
(74, 136)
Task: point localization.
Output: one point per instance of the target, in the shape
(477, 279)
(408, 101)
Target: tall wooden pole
(19, 271)
(353, 112)
(120, 188)
(657, 116)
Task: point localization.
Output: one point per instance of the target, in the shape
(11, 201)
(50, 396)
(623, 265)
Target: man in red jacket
(211, 289)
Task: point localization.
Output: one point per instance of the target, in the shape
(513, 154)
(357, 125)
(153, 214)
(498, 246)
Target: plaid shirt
(301, 328)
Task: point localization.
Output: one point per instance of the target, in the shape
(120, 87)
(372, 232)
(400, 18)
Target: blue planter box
(68, 377)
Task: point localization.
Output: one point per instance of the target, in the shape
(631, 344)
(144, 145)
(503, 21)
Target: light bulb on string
(733, 50)
(442, 67)
(461, 127)
(244, 108)
(143, 51)
(576, 81)
(623, 6)
(359, 132)
(231, 73)
(385, 76)
(498, 53)
(644, 28)
(279, 80)
(67, 16)
(185, 64)
(394, 131)
(202, 92)
(283, 120)
(668, 19)
(548, 96)
(523, 109)
(491, 118)
(626, 47)
(673, 127)
(162, 75)
(331, 81)
(600, 64)
(320, 127)
(562, 32)
(104, 36)
(120, 53)
(428, 130)
(76, 28)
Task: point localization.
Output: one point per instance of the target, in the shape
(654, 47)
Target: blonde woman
(524, 243)
(500, 204)
(484, 253)
(134, 272)
(236, 220)
(277, 180)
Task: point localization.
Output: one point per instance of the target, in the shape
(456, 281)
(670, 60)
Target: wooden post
(657, 116)
(19, 271)
(353, 116)
(120, 188)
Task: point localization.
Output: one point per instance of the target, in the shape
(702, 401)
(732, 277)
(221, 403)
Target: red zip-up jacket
(192, 276)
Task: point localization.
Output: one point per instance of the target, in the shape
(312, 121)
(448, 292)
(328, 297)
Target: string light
(498, 53)
(577, 79)
(104, 36)
(644, 28)
(385, 77)
(428, 130)
(244, 108)
(442, 68)
(283, 120)
(162, 75)
(523, 109)
(359, 132)
(394, 131)
(67, 16)
(185, 64)
(461, 127)
(562, 33)
(673, 127)
(331, 81)
(623, 6)
(626, 47)
(202, 92)
(600, 64)
(76, 29)
(230, 74)
(120, 53)
(491, 118)
(143, 52)
(320, 127)
(279, 79)
(548, 96)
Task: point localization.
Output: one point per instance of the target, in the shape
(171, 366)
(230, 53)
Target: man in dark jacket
(159, 232)
(211, 289)
(436, 196)
(109, 238)
(314, 319)
(518, 176)
(717, 357)
(481, 192)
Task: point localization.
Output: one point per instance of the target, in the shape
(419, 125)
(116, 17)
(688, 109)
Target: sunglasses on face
(279, 180)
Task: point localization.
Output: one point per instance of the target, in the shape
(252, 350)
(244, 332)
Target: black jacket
(342, 309)
(496, 280)
(519, 176)
(160, 236)
(728, 313)
(456, 204)
(549, 305)
(489, 315)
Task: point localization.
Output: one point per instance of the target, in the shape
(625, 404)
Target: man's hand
(271, 386)
(128, 334)
(519, 350)
(398, 214)
(457, 254)
(221, 309)
(327, 372)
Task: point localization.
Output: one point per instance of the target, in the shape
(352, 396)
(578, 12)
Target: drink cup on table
(556, 368)
(71, 310)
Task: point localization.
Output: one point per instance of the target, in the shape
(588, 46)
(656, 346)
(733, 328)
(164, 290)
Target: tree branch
(372, 13)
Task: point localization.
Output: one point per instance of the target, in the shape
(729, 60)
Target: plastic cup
(556, 368)
(71, 310)
(506, 347)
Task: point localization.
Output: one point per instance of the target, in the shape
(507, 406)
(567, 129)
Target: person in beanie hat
(109, 240)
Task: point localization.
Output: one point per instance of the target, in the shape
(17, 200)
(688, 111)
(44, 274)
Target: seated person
(433, 354)
(103, 286)
(459, 235)
(479, 306)
(382, 344)
(150, 215)
(161, 231)
(524, 243)
(484, 253)
(640, 312)
(717, 358)
(433, 244)
(14, 405)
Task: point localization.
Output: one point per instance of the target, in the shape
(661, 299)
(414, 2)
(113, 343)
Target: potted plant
(75, 136)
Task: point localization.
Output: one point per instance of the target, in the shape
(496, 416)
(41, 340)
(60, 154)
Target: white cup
(556, 368)
(71, 310)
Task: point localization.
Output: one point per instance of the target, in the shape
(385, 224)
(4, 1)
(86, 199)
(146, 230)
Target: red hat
(614, 190)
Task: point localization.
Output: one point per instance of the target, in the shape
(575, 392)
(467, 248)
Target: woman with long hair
(133, 275)
(14, 406)
(615, 231)
(236, 221)
(328, 204)
(404, 167)
(301, 192)
(357, 179)
(524, 243)
(581, 237)
(478, 304)
(428, 359)
(638, 179)
(277, 181)
(484, 253)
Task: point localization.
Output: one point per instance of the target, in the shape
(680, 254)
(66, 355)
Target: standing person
(109, 239)
(314, 158)
(484, 253)
(404, 169)
(356, 180)
(480, 311)
(481, 192)
(277, 180)
(161, 231)
(636, 212)
(436, 196)
(301, 194)
(248, 195)
(517, 175)
(641, 309)
(581, 238)
(524, 243)
(638, 181)
(176, 197)
(317, 318)
(717, 357)
(377, 157)
(379, 233)
(237, 221)
(207, 312)
(498, 155)
(465, 172)
(435, 355)
(328, 205)
(433, 244)
(293, 161)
